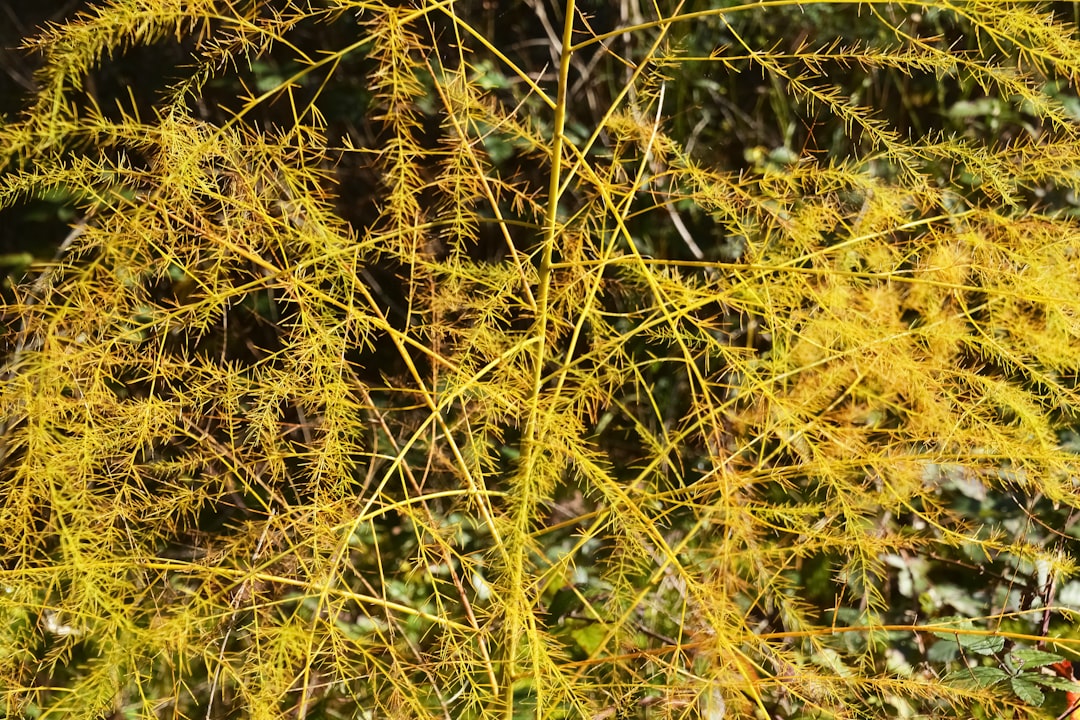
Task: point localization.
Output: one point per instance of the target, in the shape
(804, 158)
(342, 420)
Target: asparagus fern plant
(398, 368)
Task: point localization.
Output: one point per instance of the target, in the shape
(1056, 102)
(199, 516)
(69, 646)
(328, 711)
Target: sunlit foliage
(395, 374)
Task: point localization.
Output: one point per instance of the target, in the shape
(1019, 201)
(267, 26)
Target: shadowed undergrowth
(397, 370)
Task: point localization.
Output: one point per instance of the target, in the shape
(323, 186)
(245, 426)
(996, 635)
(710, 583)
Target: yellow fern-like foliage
(545, 413)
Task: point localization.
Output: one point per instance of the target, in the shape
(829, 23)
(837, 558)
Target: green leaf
(1027, 690)
(589, 637)
(981, 644)
(1054, 682)
(1034, 658)
(977, 677)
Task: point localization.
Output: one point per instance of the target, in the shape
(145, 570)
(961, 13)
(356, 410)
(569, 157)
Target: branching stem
(523, 505)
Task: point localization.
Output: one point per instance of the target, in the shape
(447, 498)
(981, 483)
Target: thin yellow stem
(523, 509)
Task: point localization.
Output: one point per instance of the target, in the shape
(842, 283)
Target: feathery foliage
(398, 369)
